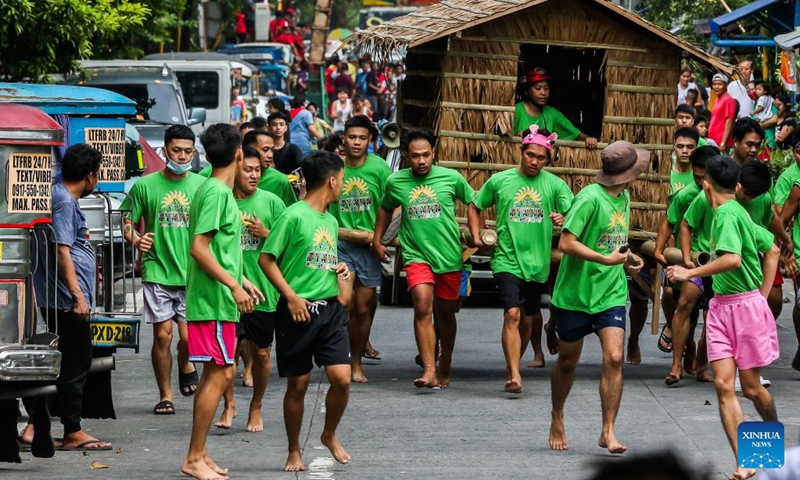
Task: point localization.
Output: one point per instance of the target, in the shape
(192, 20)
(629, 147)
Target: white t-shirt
(341, 114)
(765, 114)
(682, 92)
(739, 92)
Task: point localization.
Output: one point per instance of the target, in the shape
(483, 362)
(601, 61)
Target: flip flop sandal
(666, 340)
(164, 407)
(372, 354)
(186, 380)
(84, 447)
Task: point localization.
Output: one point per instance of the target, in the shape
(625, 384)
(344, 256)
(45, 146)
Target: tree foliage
(38, 38)
(681, 14)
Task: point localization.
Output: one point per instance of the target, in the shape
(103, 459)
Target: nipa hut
(615, 77)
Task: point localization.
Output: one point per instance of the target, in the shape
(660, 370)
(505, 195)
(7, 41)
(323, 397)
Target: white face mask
(177, 168)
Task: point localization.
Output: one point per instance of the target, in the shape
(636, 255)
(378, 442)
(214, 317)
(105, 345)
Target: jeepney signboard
(28, 184)
(111, 143)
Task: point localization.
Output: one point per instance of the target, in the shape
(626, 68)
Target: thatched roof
(452, 16)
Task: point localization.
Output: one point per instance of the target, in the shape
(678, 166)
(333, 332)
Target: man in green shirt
(530, 202)
(787, 194)
(365, 178)
(741, 330)
(163, 199)
(259, 209)
(591, 291)
(300, 260)
(681, 173)
(431, 242)
(216, 290)
(748, 136)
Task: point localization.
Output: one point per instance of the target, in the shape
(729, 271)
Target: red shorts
(778, 277)
(446, 286)
(212, 341)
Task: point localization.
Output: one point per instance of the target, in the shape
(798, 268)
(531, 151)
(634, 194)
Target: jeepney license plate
(114, 334)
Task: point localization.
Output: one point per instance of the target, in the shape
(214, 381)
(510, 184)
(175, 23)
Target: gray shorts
(163, 302)
(362, 262)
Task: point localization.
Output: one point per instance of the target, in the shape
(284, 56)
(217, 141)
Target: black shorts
(515, 292)
(572, 325)
(324, 339)
(258, 327)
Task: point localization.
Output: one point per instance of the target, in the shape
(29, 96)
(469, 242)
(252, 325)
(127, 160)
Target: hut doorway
(578, 82)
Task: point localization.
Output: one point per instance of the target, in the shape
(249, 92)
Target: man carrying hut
(591, 290)
(430, 238)
(365, 178)
(529, 203)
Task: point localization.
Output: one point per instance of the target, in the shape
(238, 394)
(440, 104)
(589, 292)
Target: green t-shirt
(678, 207)
(784, 184)
(304, 244)
(600, 222)
(733, 231)
(164, 204)
(796, 229)
(214, 211)
(701, 142)
(550, 118)
(429, 231)
(206, 172)
(361, 194)
(679, 180)
(524, 228)
(267, 207)
(760, 209)
(699, 217)
(276, 183)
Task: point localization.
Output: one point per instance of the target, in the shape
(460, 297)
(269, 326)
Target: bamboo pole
(601, 145)
(641, 65)
(487, 236)
(479, 136)
(556, 43)
(638, 120)
(640, 89)
(674, 255)
(469, 76)
(489, 56)
(361, 236)
(496, 167)
(460, 106)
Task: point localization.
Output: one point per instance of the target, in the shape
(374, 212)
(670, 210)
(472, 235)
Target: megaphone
(390, 135)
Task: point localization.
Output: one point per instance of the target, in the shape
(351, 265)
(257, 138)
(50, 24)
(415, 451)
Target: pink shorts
(446, 286)
(741, 326)
(212, 341)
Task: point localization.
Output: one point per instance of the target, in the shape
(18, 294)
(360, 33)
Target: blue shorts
(572, 325)
(362, 263)
(466, 288)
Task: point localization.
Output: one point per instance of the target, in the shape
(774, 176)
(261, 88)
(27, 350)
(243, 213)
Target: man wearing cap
(534, 110)
(364, 182)
(530, 202)
(591, 292)
(723, 115)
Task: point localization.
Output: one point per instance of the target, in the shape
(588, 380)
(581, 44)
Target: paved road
(473, 430)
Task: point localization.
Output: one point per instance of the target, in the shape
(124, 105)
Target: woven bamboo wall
(476, 87)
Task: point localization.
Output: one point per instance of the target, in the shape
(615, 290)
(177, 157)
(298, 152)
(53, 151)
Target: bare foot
(634, 353)
(610, 442)
(338, 452)
(703, 376)
(538, 361)
(27, 434)
(673, 378)
(558, 436)
(214, 466)
(201, 471)
(513, 386)
(689, 357)
(425, 382)
(358, 375)
(742, 473)
(552, 338)
(294, 463)
(226, 418)
(254, 421)
(247, 379)
(443, 376)
(75, 440)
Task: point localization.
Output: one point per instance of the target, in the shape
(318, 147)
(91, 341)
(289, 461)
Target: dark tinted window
(154, 101)
(200, 89)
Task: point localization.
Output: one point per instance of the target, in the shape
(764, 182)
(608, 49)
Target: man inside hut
(591, 291)
(530, 202)
(533, 110)
(365, 178)
(430, 238)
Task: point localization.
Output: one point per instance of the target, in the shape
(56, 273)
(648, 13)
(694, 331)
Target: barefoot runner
(163, 199)
(300, 259)
(741, 331)
(431, 242)
(529, 203)
(216, 290)
(591, 291)
(365, 178)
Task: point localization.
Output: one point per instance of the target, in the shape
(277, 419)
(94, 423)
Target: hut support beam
(556, 43)
(495, 167)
